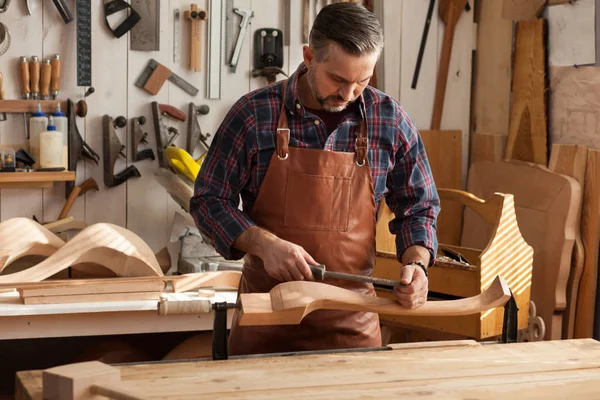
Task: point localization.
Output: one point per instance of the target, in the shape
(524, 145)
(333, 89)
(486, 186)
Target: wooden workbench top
(433, 370)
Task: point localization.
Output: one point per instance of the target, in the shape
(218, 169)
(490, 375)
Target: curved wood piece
(22, 237)
(488, 209)
(288, 303)
(111, 246)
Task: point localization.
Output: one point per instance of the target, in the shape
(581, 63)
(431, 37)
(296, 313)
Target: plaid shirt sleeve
(224, 173)
(412, 196)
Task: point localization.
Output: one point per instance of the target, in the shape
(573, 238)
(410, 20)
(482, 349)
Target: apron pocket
(317, 202)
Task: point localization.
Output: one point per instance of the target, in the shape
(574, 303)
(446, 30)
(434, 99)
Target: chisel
(320, 273)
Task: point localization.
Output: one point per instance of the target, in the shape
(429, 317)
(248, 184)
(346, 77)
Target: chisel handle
(45, 76)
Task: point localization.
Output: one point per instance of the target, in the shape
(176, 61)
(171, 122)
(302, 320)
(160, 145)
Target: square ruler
(84, 43)
(155, 75)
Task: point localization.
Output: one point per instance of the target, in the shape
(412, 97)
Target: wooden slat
(590, 235)
(493, 57)
(571, 160)
(487, 147)
(22, 177)
(518, 10)
(527, 136)
(444, 151)
(98, 286)
(91, 298)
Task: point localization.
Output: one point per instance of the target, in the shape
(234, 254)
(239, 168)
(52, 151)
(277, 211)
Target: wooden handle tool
(45, 76)
(25, 88)
(34, 77)
(196, 16)
(55, 81)
(450, 11)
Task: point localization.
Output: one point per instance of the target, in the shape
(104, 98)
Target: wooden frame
(506, 254)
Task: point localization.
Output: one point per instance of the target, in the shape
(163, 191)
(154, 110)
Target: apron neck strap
(283, 130)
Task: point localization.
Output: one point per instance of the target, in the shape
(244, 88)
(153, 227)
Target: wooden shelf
(22, 180)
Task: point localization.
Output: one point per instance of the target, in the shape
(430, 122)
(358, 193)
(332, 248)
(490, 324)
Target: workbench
(430, 370)
(19, 321)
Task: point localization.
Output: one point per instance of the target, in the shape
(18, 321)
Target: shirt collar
(292, 100)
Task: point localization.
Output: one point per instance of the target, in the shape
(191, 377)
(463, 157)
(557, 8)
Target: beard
(325, 102)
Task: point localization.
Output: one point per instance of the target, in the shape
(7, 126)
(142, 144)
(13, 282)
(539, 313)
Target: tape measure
(84, 43)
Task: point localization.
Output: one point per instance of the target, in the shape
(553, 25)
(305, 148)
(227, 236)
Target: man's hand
(286, 261)
(283, 260)
(415, 295)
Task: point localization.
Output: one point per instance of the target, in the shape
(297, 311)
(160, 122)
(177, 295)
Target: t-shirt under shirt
(333, 119)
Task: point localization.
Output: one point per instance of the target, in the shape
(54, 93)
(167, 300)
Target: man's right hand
(286, 261)
(283, 260)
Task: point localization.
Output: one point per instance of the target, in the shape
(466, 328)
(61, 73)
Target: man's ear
(309, 56)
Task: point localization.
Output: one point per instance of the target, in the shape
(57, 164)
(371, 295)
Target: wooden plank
(562, 369)
(91, 298)
(590, 235)
(444, 152)
(546, 208)
(97, 286)
(492, 69)
(571, 160)
(527, 136)
(487, 147)
(207, 279)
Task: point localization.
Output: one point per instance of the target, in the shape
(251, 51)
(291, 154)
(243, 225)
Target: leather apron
(323, 201)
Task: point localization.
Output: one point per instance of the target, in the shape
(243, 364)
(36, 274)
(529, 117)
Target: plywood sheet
(572, 33)
(575, 106)
(546, 207)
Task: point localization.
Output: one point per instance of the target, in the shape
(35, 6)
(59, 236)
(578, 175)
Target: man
(311, 158)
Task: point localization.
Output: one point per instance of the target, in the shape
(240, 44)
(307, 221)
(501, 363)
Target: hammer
(320, 273)
(76, 192)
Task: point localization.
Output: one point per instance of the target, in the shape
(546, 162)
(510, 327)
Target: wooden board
(534, 370)
(571, 160)
(527, 135)
(94, 286)
(487, 147)
(590, 235)
(91, 298)
(108, 245)
(289, 302)
(444, 152)
(546, 208)
(207, 279)
(491, 103)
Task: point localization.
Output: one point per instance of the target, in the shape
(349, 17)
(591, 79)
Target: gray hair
(350, 25)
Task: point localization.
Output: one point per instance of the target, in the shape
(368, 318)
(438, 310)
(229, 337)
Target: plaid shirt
(241, 149)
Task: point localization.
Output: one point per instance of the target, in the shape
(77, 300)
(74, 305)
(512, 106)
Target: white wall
(141, 204)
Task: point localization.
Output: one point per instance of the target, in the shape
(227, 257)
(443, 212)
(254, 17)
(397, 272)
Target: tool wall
(141, 204)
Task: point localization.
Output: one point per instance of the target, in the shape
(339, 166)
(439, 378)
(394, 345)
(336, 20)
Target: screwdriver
(25, 89)
(2, 115)
(45, 76)
(55, 82)
(34, 77)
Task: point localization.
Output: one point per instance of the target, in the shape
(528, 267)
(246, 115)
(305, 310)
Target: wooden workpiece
(425, 371)
(22, 237)
(288, 303)
(108, 245)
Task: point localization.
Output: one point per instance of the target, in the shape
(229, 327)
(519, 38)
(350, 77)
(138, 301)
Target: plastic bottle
(51, 147)
(37, 124)
(61, 122)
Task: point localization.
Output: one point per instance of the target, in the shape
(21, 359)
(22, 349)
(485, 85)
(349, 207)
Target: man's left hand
(415, 295)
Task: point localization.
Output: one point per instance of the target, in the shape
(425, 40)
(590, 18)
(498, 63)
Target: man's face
(339, 78)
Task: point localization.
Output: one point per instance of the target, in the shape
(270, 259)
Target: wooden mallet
(83, 381)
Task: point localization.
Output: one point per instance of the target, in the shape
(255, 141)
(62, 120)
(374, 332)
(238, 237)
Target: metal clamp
(510, 323)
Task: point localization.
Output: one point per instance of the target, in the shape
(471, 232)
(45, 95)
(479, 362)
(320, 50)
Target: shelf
(24, 180)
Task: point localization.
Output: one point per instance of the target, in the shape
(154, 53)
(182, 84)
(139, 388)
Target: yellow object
(183, 162)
